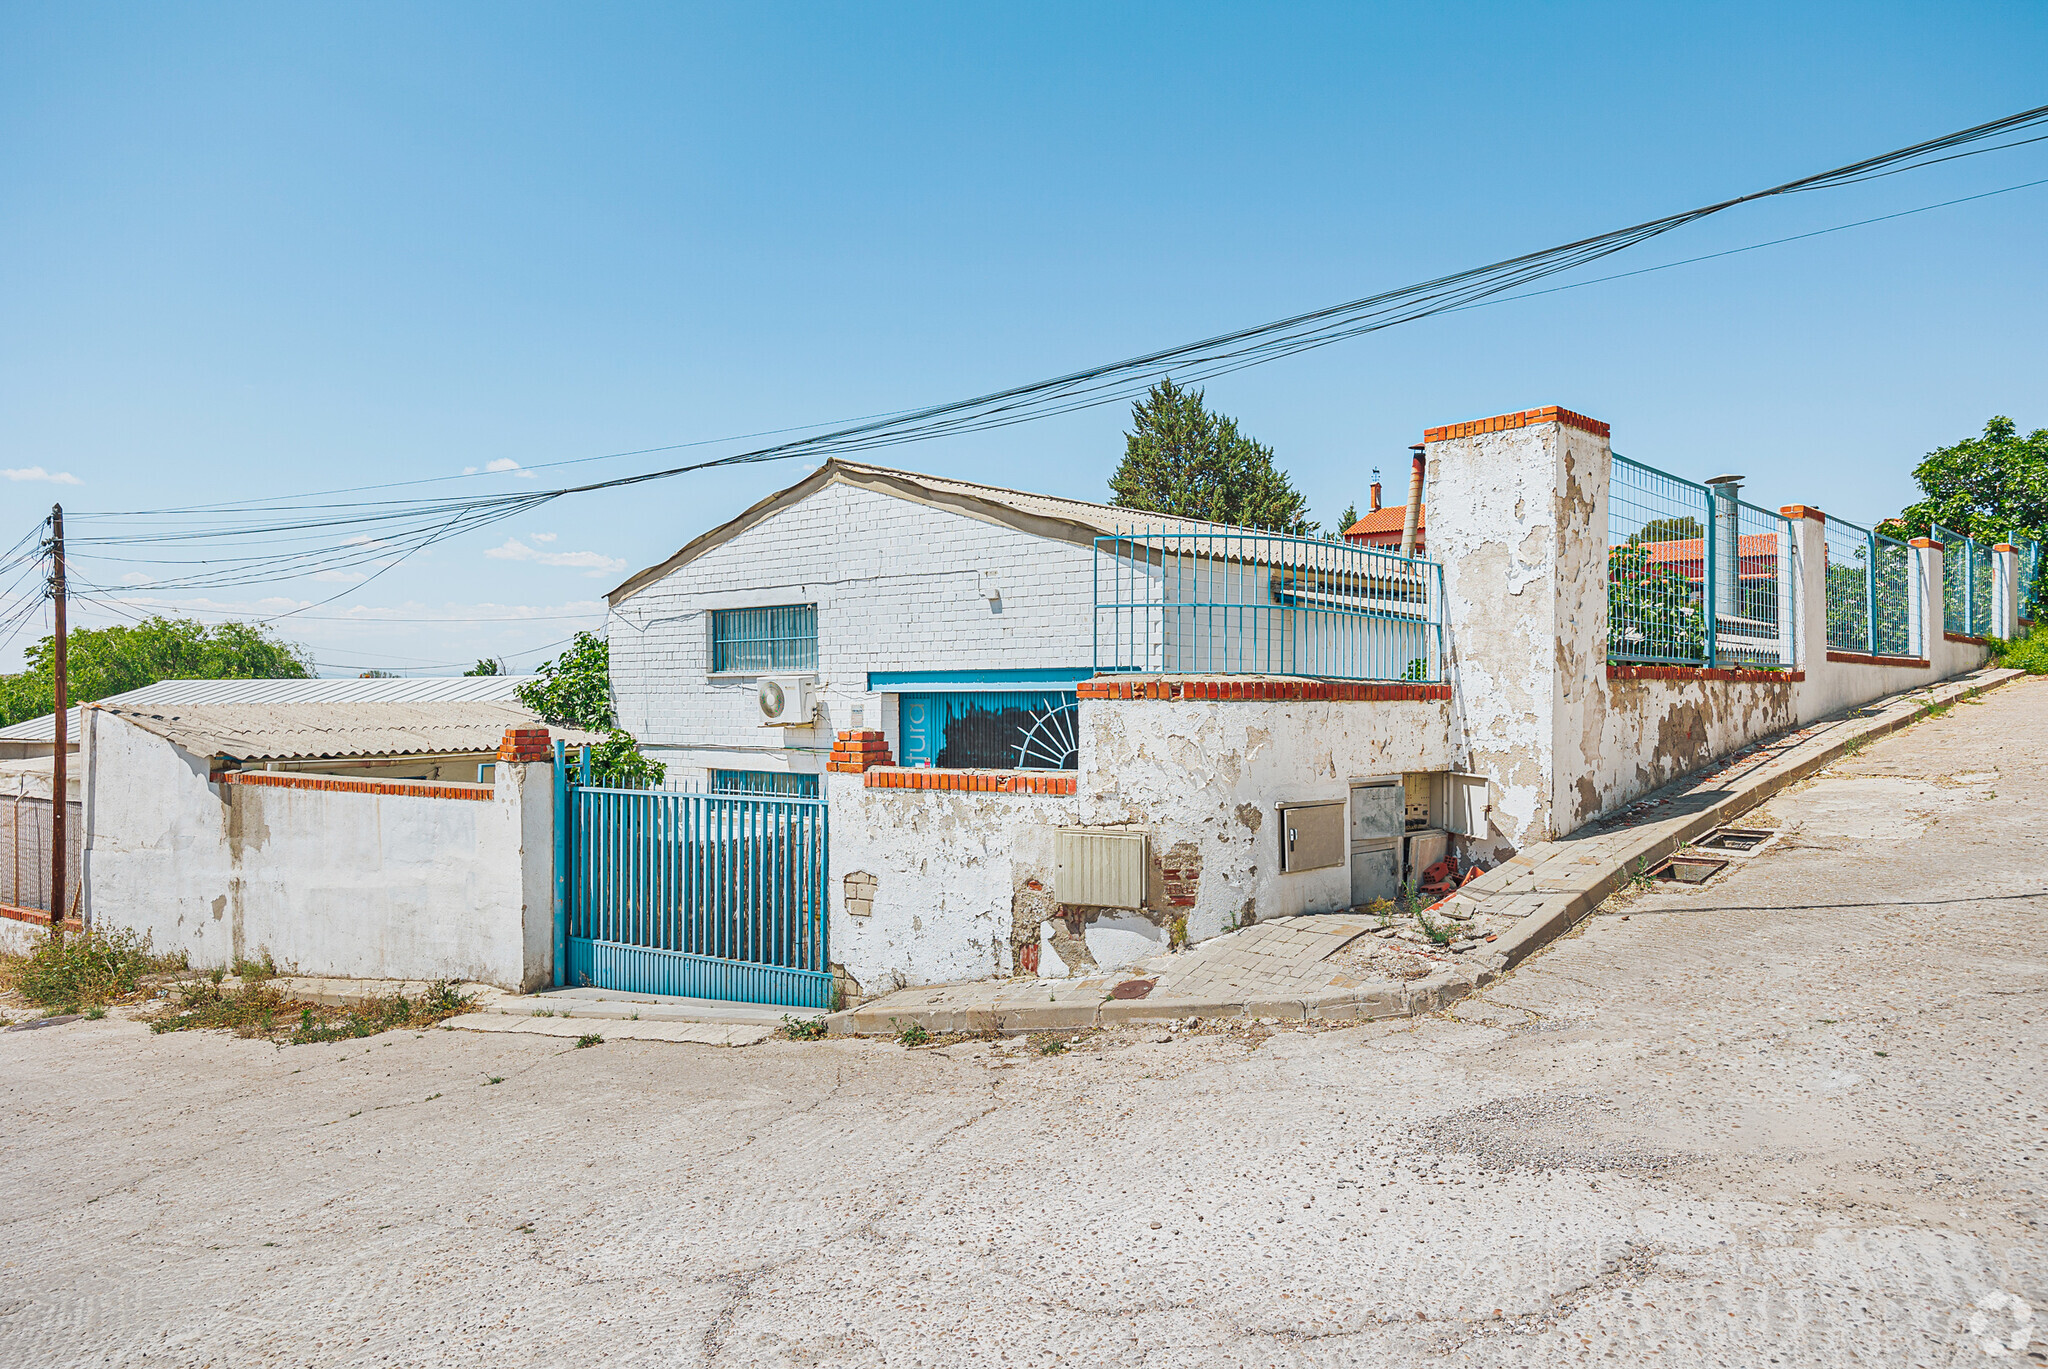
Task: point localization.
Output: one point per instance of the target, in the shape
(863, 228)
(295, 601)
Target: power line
(302, 533)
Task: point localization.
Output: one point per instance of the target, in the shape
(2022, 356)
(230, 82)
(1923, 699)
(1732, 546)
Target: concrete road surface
(1794, 1116)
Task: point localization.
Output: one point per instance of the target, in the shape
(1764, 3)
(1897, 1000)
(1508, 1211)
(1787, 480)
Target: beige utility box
(1311, 835)
(1447, 801)
(1098, 868)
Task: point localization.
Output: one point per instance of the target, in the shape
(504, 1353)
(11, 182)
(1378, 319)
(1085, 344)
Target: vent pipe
(1413, 516)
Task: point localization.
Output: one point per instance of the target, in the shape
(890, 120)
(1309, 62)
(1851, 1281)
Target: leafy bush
(2028, 653)
(86, 969)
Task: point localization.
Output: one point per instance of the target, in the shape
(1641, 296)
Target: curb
(1557, 912)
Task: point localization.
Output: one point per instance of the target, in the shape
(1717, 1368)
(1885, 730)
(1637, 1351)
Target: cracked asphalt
(1791, 1116)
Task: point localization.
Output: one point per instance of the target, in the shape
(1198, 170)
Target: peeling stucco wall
(963, 879)
(326, 882)
(1519, 521)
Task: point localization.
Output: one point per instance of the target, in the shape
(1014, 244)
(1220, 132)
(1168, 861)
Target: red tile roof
(1387, 519)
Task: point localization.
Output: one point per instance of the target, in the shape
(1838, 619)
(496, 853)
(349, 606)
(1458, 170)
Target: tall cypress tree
(1182, 460)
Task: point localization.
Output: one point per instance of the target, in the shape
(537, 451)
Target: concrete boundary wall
(327, 876)
(930, 885)
(1518, 515)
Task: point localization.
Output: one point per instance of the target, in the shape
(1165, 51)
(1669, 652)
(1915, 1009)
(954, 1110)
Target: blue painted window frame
(758, 641)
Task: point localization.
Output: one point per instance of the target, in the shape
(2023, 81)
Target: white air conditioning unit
(786, 700)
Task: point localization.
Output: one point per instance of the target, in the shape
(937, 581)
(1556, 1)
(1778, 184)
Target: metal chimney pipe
(1413, 516)
(1727, 569)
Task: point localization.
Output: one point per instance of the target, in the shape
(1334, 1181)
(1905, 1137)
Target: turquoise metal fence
(1868, 580)
(1190, 600)
(1965, 582)
(700, 895)
(2030, 577)
(1694, 575)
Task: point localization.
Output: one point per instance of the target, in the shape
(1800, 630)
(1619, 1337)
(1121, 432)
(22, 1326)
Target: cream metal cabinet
(1311, 835)
(1095, 868)
(1376, 822)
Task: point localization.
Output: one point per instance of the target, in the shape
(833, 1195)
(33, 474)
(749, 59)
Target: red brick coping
(1256, 690)
(1527, 418)
(855, 752)
(405, 789)
(1052, 782)
(1699, 672)
(1860, 658)
(37, 917)
(1959, 637)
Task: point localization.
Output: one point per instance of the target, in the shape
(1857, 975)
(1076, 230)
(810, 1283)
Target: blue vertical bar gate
(698, 895)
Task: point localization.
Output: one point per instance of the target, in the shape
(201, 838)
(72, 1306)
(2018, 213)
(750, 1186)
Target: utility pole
(59, 761)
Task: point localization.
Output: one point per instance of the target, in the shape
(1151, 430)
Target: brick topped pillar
(2005, 590)
(1809, 583)
(1518, 518)
(526, 744)
(855, 752)
(1926, 604)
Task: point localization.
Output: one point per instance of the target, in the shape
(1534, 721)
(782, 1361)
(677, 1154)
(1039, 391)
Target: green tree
(1992, 488)
(1183, 461)
(113, 660)
(489, 665)
(1350, 517)
(575, 690)
(1653, 612)
(1682, 529)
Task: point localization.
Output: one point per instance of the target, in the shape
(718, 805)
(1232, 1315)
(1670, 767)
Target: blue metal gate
(698, 895)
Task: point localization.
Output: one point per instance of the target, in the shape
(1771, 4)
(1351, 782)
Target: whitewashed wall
(897, 585)
(953, 871)
(326, 882)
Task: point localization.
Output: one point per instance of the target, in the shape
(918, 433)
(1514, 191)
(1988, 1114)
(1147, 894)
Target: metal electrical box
(1093, 868)
(1311, 836)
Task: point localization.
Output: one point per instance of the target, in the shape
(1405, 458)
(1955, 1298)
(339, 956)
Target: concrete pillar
(2005, 590)
(1518, 518)
(1925, 597)
(1809, 584)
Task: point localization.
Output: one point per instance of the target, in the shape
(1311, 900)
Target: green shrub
(86, 969)
(2028, 653)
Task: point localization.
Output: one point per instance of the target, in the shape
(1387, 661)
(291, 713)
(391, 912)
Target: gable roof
(1387, 518)
(1041, 515)
(318, 731)
(403, 689)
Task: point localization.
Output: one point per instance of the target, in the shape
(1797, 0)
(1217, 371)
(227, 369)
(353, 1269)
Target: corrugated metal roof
(407, 689)
(312, 731)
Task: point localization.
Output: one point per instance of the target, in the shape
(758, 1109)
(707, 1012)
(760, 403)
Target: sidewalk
(1346, 967)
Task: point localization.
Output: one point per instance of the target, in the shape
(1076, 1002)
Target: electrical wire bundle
(244, 543)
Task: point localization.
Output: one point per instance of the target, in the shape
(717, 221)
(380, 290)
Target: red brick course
(1861, 658)
(974, 781)
(1527, 418)
(1959, 637)
(525, 744)
(36, 917)
(856, 752)
(1695, 672)
(1256, 690)
(406, 789)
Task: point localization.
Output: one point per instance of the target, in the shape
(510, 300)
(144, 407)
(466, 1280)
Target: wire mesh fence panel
(1658, 535)
(1980, 587)
(1755, 601)
(1892, 598)
(1955, 603)
(1848, 583)
(2030, 578)
(1190, 600)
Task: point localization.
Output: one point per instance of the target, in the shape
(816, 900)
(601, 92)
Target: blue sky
(255, 250)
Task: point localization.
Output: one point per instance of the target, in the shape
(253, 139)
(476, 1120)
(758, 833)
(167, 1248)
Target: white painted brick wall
(897, 585)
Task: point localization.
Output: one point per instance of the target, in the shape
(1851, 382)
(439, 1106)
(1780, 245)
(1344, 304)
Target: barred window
(784, 637)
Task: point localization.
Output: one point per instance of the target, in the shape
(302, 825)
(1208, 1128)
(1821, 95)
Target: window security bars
(1869, 582)
(759, 640)
(1694, 575)
(793, 784)
(1180, 601)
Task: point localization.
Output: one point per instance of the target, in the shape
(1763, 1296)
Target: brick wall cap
(2004, 546)
(1803, 511)
(1526, 418)
(1920, 541)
